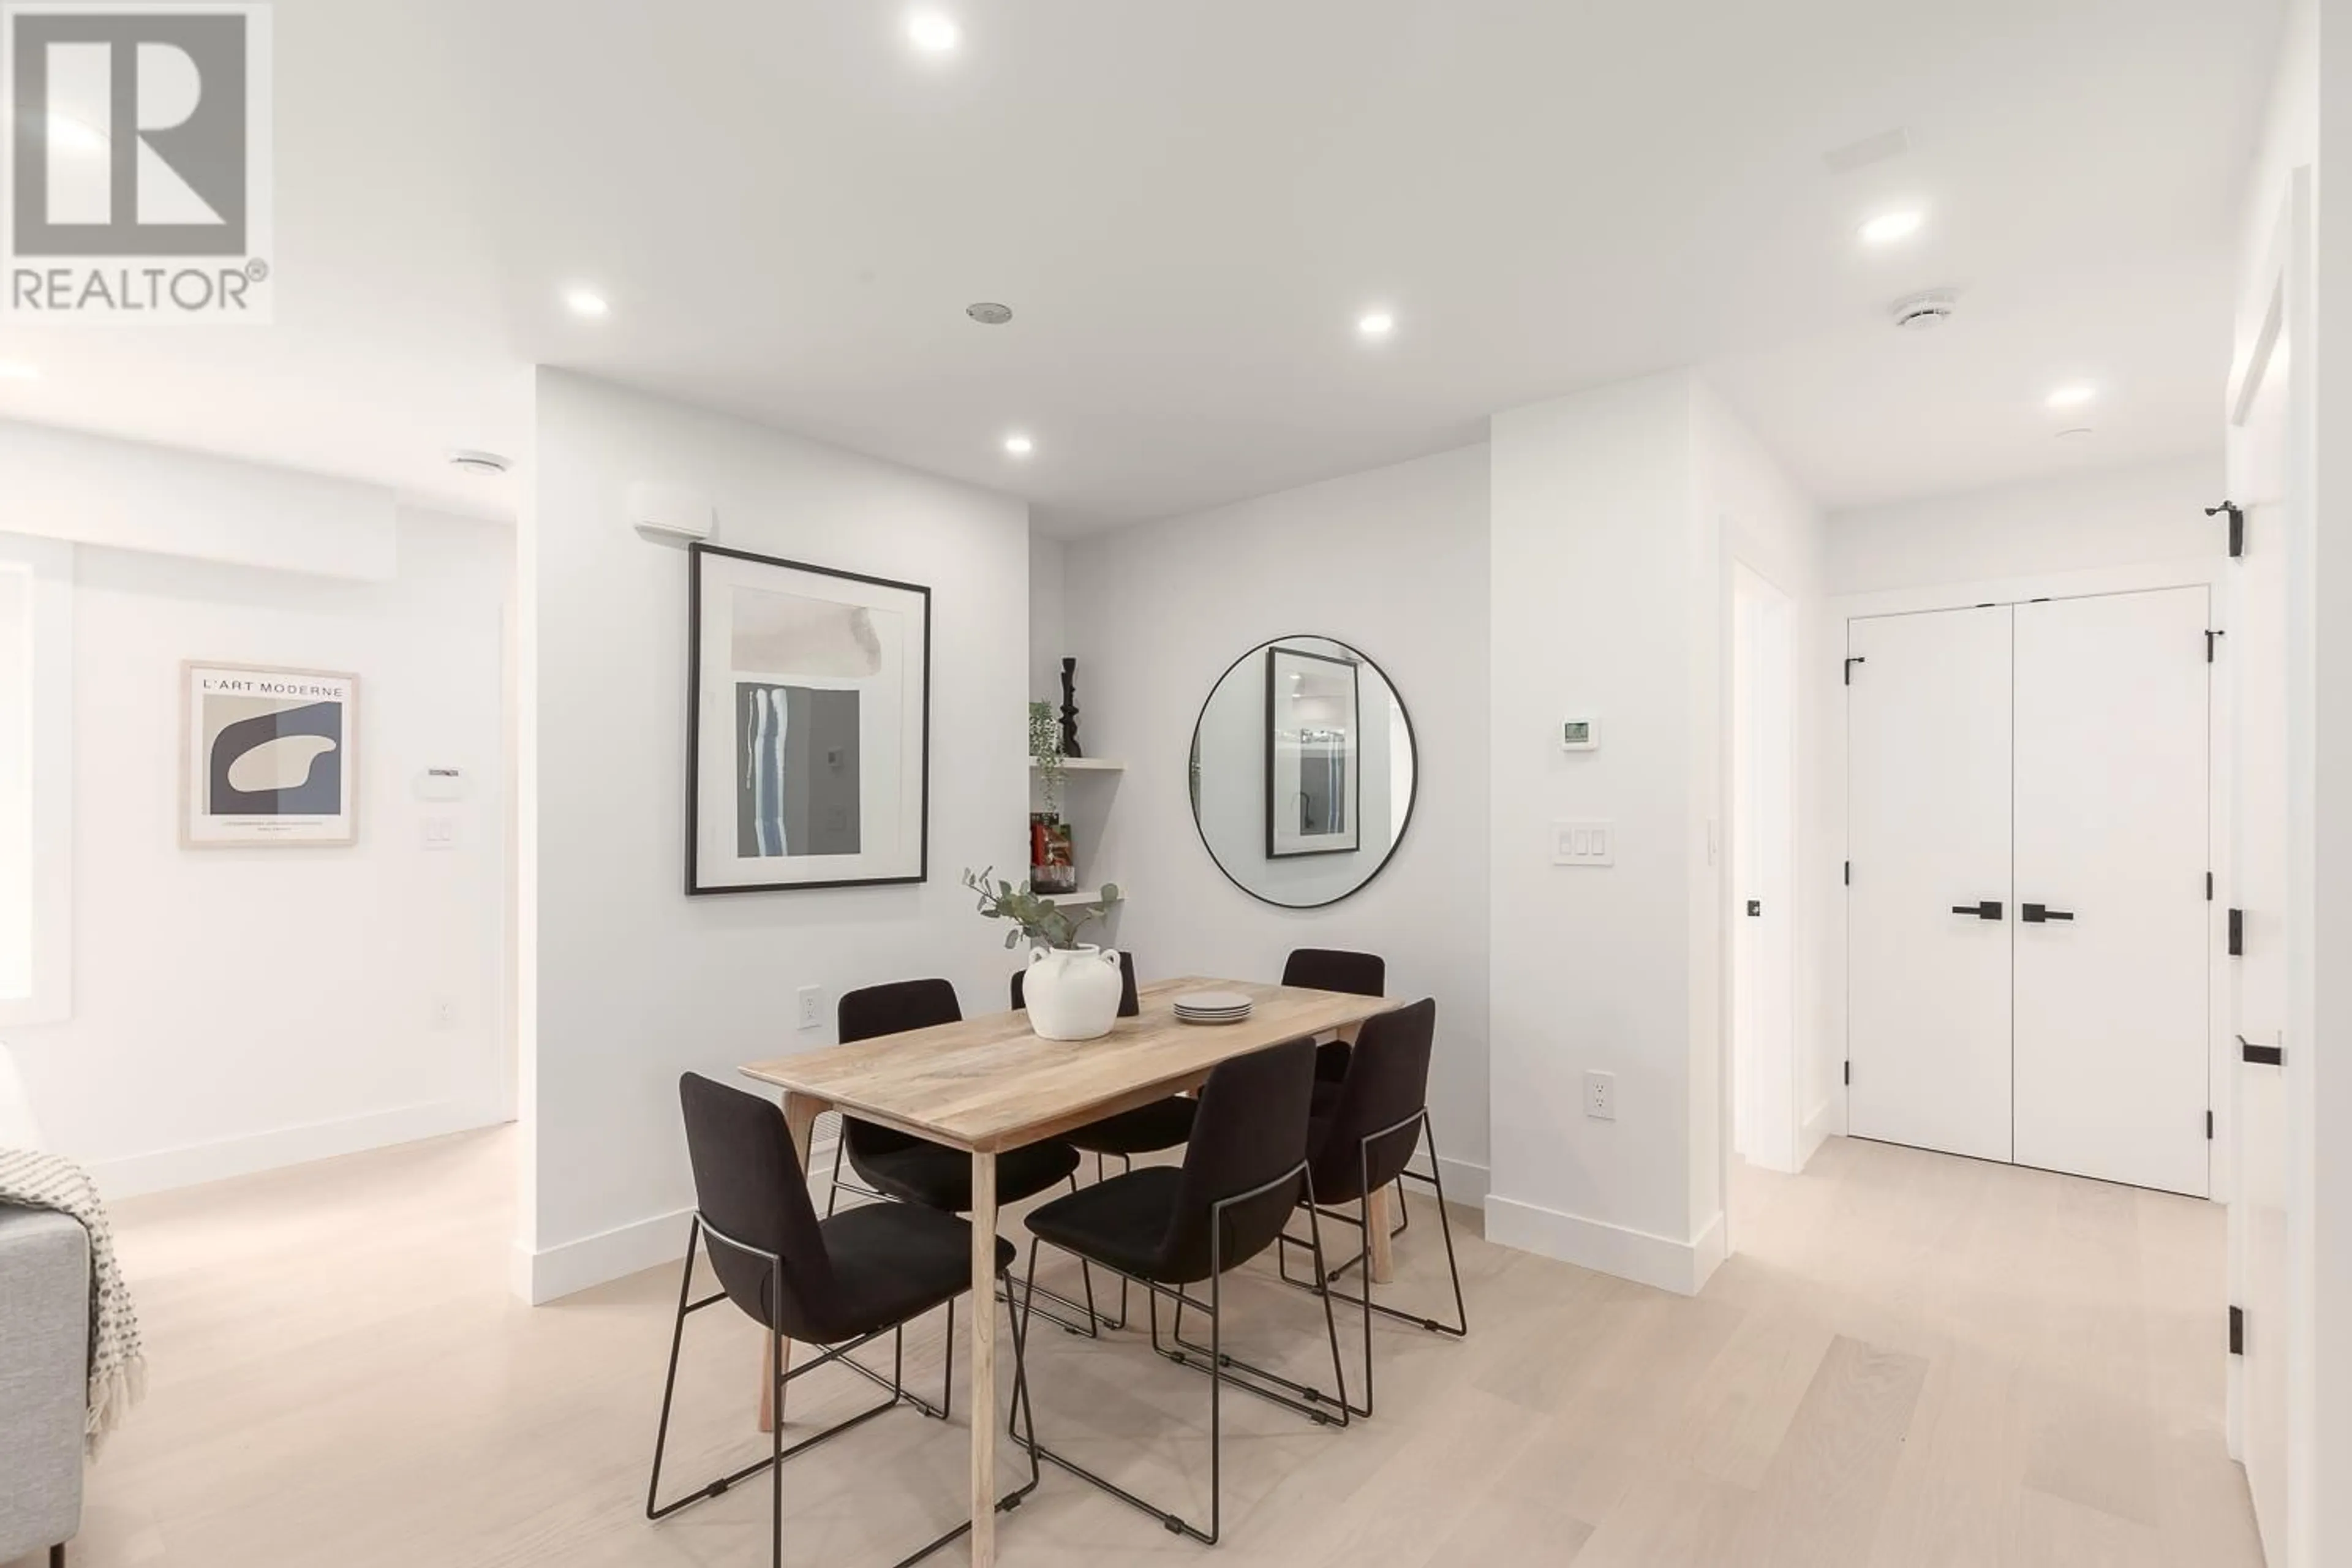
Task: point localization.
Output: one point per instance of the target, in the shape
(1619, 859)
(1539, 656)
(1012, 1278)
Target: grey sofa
(44, 1380)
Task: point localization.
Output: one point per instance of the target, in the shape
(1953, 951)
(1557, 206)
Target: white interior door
(1928, 927)
(2112, 969)
(2256, 664)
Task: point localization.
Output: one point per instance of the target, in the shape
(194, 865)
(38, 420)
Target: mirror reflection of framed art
(1313, 785)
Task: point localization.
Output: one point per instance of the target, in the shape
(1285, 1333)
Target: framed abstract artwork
(808, 745)
(1313, 783)
(269, 756)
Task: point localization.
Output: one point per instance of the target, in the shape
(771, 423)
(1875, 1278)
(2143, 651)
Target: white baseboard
(571, 1267)
(1681, 1267)
(1466, 1184)
(196, 1163)
(1818, 1129)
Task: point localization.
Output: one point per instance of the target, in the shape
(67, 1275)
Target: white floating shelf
(1082, 896)
(1087, 766)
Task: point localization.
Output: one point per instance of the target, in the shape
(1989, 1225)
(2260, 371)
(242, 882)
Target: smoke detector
(488, 464)
(1920, 311)
(988, 314)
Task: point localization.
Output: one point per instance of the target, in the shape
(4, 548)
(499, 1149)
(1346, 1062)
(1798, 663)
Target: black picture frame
(1275, 653)
(1193, 764)
(698, 554)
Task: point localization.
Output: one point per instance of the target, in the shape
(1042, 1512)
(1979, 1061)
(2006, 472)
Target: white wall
(632, 981)
(2133, 516)
(1393, 562)
(238, 1009)
(1047, 625)
(1603, 603)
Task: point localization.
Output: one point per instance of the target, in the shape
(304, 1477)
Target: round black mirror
(1303, 772)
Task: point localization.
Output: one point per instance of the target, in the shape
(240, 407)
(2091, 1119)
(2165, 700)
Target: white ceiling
(1188, 204)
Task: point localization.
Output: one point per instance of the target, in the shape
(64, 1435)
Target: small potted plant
(1072, 989)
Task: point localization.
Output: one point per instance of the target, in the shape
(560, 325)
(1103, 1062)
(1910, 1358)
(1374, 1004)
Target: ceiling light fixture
(472, 461)
(2073, 396)
(933, 32)
(1019, 445)
(1375, 324)
(18, 369)
(587, 302)
(2074, 431)
(1888, 227)
(988, 314)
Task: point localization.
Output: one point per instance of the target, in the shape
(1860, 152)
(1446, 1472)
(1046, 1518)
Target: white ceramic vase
(1072, 993)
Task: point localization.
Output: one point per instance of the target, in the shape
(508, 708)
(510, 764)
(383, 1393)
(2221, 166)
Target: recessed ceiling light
(1375, 324)
(1019, 445)
(1888, 227)
(2073, 396)
(474, 461)
(933, 32)
(989, 313)
(587, 302)
(18, 369)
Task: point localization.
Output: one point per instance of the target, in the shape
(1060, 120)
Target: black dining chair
(841, 1283)
(915, 1170)
(1146, 1129)
(1166, 1227)
(1363, 1140)
(1335, 968)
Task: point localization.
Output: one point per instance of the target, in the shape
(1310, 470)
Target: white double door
(2027, 908)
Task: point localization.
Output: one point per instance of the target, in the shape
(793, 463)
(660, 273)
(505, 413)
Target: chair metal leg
(58, 1555)
(1219, 1368)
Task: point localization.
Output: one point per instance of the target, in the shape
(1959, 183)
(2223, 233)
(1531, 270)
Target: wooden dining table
(988, 1084)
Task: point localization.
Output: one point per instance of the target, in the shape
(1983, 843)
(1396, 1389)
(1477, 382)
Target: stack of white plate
(1212, 1008)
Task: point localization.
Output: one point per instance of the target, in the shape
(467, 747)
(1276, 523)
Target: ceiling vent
(1920, 311)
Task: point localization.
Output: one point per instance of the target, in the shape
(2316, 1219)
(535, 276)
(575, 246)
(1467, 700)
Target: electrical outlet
(1601, 1095)
(444, 1013)
(812, 1006)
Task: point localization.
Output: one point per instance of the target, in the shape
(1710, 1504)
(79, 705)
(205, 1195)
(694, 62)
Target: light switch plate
(1584, 844)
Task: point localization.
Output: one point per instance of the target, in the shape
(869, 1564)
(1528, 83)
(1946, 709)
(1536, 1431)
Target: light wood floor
(1913, 1362)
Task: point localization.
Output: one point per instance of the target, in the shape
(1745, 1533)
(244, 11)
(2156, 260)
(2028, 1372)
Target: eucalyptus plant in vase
(1071, 989)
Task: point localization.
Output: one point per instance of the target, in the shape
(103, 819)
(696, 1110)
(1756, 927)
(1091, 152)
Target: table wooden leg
(983, 1360)
(1378, 1219)
(799, 1116)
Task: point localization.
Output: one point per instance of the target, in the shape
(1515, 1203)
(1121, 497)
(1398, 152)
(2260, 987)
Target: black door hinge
(2209, 1127)
(2210, 636)
(1849, 1073)
(2237, 933)
(1849, 873)
(2237, 525)
(2237, 1331)
(2209, 887)
(1850, 663)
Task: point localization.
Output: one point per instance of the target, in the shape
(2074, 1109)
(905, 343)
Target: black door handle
(2034, 914)
(1987, 911)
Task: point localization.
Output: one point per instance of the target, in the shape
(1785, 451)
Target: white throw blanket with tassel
(118, 1367)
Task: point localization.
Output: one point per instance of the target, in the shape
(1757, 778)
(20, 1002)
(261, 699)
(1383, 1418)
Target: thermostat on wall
(1580, 734)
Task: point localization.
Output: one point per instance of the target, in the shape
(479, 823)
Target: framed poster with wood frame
(269, 756)
(809, 716)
